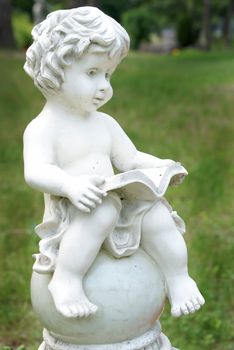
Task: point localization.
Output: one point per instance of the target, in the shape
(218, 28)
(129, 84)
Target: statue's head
(64, 36)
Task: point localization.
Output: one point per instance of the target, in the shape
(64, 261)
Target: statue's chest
(78, 142)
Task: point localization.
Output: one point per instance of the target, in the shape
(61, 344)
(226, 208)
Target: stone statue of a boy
(69, 150)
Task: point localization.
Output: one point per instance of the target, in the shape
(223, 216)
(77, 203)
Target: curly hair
(65, 35)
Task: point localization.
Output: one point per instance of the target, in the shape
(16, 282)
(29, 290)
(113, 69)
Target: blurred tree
(22, 26)
(187, 34)
(226, 22)
(138, 23)
(189, 17)
(202, 14)
(23, 5)
(224, 10)
(78, 3)
(7, 40)
(115, 9)
(206, 35)
(184, 15)
(39, 10)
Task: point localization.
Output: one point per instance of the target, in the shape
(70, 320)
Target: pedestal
(154, 339)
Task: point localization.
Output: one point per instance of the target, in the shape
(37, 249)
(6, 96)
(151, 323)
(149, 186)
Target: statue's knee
(159, 218)
(107, 214)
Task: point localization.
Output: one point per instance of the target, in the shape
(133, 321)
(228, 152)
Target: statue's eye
(92, 72)
(107, 76)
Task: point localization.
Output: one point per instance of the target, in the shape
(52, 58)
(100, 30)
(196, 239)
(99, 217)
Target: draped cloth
(124, 240)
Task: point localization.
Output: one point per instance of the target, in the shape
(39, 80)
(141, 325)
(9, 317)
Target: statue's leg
(78, 249)
(165, 244)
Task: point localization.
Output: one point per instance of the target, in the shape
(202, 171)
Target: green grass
(174, 107)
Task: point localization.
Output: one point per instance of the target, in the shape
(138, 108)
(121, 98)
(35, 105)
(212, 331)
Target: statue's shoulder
(39, 126)
(108, 120)
(103, 116)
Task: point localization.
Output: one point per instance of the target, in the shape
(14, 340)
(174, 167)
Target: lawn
(174, 107)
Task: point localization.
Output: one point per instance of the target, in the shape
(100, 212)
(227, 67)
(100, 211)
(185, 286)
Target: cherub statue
(70, 149)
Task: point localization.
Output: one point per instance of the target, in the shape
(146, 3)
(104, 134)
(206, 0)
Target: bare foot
(69, 297)
(184, 295)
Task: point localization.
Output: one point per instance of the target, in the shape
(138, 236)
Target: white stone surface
(153, 339)
(129, 293)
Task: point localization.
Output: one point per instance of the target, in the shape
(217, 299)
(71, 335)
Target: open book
(145, 184)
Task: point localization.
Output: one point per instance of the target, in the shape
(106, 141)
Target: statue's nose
(104, 85)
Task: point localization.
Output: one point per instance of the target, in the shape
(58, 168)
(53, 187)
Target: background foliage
(203, 20)
(22, 26)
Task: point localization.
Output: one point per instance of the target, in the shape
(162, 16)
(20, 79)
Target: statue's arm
(145, 160)
(42, 173)
(40, 170)
(125, 156)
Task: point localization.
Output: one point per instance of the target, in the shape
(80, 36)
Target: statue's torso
(80, 146)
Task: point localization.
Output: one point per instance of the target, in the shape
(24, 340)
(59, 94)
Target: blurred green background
(174, 97)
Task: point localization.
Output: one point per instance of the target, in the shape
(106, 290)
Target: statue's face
(86, 84)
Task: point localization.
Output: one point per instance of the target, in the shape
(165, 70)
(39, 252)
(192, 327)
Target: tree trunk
(7, 40)
(226, 23)
(78, 3)
(206, 25)
(39, 11)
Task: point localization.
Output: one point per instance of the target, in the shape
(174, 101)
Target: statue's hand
(84, 192)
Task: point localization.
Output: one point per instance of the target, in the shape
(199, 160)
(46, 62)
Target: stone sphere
(129, 293)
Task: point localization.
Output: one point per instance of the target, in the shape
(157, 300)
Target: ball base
(130, 296)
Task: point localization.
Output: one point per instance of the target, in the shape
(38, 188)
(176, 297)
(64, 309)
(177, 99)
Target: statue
(70, 153)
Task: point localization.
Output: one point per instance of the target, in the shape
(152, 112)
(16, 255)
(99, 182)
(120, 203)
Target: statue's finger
(83, 207)
(92, 196)
(97, 191)
(88, 203)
